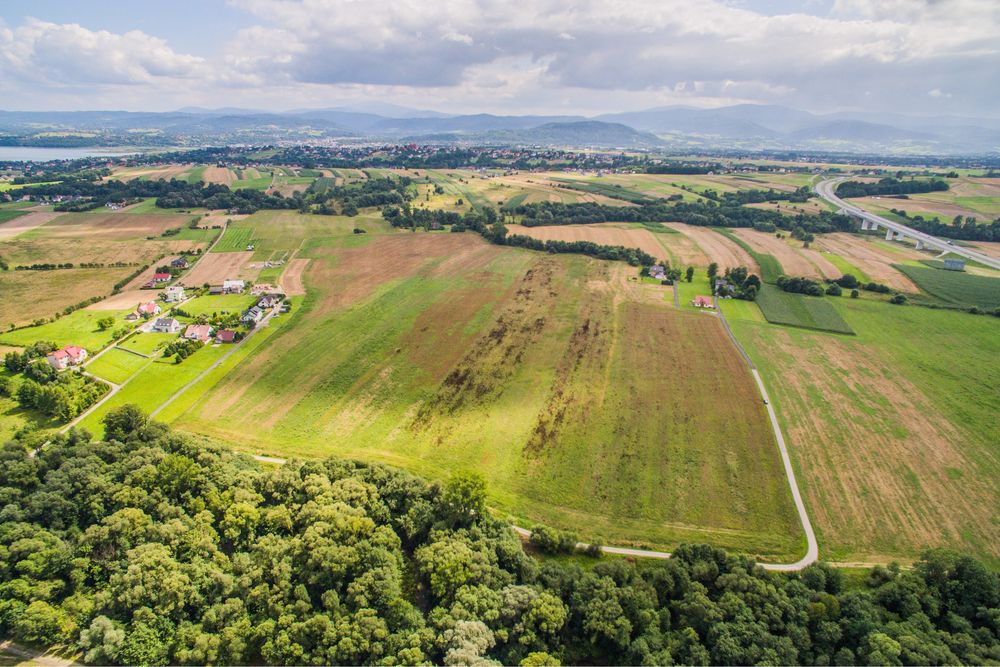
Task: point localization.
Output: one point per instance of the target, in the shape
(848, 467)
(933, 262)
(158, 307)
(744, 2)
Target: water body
(37, 154)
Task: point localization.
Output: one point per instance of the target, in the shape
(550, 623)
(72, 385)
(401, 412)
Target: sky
(502, 56)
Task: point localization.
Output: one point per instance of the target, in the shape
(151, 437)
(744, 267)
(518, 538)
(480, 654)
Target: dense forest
(890, 186)
(150, 548)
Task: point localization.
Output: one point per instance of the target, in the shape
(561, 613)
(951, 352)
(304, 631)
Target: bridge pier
(864, 224)
(888, 234)
(920, 245)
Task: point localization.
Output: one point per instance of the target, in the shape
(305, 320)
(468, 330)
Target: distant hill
(744, 126)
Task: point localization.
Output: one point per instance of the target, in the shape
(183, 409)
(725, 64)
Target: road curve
(826, 189)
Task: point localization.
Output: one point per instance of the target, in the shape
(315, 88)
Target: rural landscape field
(648, 333)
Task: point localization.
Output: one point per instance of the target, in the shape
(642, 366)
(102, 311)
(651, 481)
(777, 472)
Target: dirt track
(291, 279)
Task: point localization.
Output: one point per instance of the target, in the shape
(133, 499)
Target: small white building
(166, 325)
(233, 286)
(173, 294)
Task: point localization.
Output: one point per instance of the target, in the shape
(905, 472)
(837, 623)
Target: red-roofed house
(71, 355)
(200, 332)
(225, 336)
(703, 302)
(161, 277)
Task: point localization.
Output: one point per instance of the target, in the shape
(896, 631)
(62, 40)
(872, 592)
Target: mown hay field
(955, 287)
(585, 408)
(797, 310)
(893, 431)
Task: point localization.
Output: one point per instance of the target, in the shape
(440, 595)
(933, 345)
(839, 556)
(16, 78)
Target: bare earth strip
(718, 248)
(21, 224)
(804, 262)
(221, 175)
(125, 299)
(291, 279)
(868, 257)
(604, 234)
(216, 267)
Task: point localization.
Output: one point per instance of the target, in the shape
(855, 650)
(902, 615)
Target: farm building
(233, 286)
(71, 355)
(268, 302)
(702, 302)
(201, 332)
(225, 336)
(215, 290)
(954, 264)
(173, 293)
(180, 263)
(166, 325)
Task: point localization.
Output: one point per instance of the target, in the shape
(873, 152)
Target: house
(148, 309)
(179, 263)
(161, 278)
(657, 272)
(253, 315)
(173, 294)
(233, 286)
(200, 332)
(702, 302)
(166, 325)
(268, 301)
(71, 355)
(954, 264)
(225, 336)
(215, 290)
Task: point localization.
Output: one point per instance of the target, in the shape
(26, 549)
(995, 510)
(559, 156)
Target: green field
(809, 312)
(147, 343)
(77, 328)
(892, 432)
(615, 191)
(236, 239)
(470, 355)
(9, 214)
(208, 304)
(957, 287)
(116, 365)
(154, 384)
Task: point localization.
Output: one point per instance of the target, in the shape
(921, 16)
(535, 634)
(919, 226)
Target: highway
(826, 189)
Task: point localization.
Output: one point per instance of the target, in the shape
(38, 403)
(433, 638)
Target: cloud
(68, 54)
(548, 55)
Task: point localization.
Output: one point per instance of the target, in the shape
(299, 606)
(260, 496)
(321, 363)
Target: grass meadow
(797, 310)
(955, 287)
(892, 431)
(585, 413)
(78, 328)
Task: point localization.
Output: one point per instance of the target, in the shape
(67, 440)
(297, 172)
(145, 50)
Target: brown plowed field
(23, 223)
(110, 226)
(718, 248)
(216, 267)
(868, 257)
(125, 299)
(147, 275)
(291, 279)
(799, 261)
(221, 175)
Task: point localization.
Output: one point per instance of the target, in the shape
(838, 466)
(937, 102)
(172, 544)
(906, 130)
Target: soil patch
(719, 249)
(868, 257)
(804, 262)
(23, 223)
(215, 267)
(291, 279)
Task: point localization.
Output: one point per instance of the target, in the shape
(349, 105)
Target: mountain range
(743, 126)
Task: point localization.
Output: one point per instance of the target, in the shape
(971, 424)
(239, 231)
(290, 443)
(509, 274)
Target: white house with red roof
(201, 332)
(71, 355)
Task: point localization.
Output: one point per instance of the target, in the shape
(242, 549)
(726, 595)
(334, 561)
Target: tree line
(890, 186)
(147, 548)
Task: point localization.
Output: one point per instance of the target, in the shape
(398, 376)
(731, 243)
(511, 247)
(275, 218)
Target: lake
(37, 154)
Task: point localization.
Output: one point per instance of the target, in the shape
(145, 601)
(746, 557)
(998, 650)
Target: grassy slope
(77, 328)
(808, 312)
(893, 434)
(365, 380)
(955, 286)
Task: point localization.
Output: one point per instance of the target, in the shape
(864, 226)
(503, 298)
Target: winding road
(827, 189)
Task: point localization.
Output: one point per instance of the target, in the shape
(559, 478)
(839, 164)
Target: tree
(855, 294)
(833, 289)
(464, 497)
(713, 270)
(123, 422)
(105, 323)
(689, 274)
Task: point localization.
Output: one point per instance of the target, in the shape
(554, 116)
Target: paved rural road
(826, 189)
(216, 364)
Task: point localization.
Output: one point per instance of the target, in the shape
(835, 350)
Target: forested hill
(151, 549)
